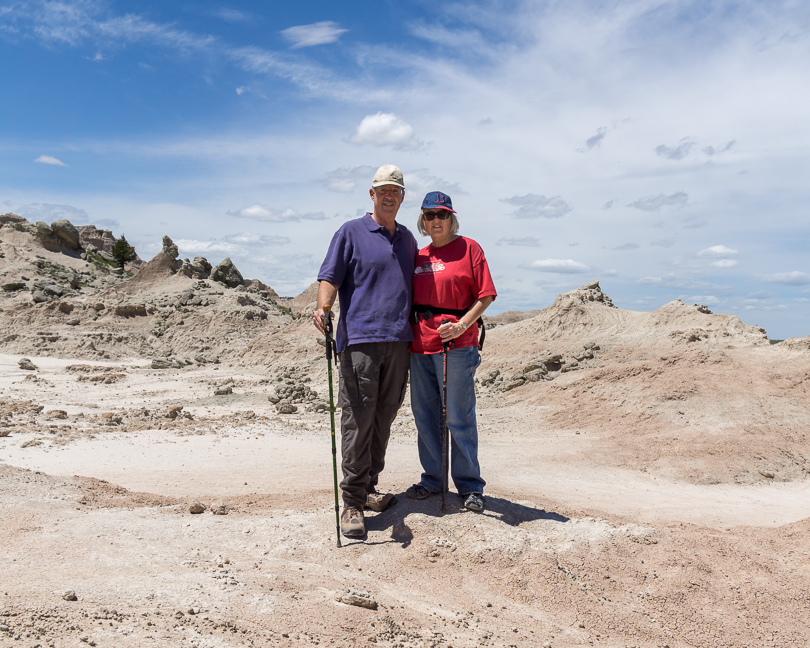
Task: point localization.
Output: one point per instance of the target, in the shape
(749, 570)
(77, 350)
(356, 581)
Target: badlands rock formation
(165, 472)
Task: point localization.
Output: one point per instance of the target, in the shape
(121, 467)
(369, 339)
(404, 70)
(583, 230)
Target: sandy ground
(648, 476)
(577, 547)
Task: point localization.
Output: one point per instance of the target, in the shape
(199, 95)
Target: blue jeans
(426, 403)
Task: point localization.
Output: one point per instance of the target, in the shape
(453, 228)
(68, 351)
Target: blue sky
(661, 147)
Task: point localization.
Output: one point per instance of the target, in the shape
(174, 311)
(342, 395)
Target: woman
(451, 283)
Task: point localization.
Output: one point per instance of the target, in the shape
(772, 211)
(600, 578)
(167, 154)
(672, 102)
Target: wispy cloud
(561, 266)
(724, 263)
(595, 140)
(50, 212)
(538, 206)
(794, 278)
(679, 152)
(717, 252)
(710, 150)
(654, 203)
(346, 180)
(626, 246)
(525, 241)
(664, 242)
(386, 129)
(319, 33)
(48, 159)
(259, 212)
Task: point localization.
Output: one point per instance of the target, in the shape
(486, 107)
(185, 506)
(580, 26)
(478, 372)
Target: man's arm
(327, 293)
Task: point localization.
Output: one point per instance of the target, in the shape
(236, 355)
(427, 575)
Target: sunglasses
(441, 215)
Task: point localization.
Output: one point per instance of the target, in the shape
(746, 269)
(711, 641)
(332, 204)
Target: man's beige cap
(388, 174)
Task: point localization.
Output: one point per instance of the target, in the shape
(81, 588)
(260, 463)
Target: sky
(661, 147)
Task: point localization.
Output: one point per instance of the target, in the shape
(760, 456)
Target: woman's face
(439, 227)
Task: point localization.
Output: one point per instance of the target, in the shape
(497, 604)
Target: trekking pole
(331, 350)
(445, 449)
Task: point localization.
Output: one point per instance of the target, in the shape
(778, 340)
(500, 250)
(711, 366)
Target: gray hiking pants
(373, 377)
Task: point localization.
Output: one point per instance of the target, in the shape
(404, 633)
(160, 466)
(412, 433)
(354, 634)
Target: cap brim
(439, 207)
(374, 185)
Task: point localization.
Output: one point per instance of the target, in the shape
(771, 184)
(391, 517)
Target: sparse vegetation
(123, 252)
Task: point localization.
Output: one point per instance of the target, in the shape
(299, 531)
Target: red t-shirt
(453, 276)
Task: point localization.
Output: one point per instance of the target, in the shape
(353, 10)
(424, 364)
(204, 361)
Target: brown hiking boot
(351, 523)
(378, 502)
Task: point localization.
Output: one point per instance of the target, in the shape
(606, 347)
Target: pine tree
(123, 251)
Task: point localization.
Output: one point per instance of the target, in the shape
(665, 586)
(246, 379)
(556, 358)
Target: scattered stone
(26, 364)
(358, 597)
(131, 310)
(286, 408)
(12, 286)
(219, 508)
(196, 507)
(70, 595)
(174, 411)
(767, 474)
(73, 321)
(224, 390)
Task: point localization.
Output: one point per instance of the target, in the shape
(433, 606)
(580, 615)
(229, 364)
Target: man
(369, 265)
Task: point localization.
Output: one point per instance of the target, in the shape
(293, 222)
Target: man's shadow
(394, 518)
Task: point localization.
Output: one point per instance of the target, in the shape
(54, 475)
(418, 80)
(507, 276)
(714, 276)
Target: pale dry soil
(589, 538)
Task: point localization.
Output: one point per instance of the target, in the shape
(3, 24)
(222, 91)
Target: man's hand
(327, 293)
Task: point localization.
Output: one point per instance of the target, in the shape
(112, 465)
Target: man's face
(387, 199)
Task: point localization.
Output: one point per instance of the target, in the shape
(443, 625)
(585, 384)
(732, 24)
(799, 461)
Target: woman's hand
(450, 331)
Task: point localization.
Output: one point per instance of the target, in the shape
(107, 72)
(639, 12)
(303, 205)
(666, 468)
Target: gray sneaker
(352, 524)
(378, 502)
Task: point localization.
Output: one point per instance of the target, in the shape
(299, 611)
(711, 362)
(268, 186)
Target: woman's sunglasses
(441, 215)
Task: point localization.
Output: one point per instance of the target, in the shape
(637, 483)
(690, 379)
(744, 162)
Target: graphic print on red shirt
(453, 276)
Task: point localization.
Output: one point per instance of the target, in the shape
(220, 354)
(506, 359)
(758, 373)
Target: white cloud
(538, 206)
(48, 159)
(48, 212)
(665, 242)
(724, 263)
(525, 241)
(249, 238)
(654, 203)
(717, 252)
(794, 278)
(266, 214)
(762, 295)
(241, 90)
(386, 129)
(346, 180)
(319, 33)
(562, 266)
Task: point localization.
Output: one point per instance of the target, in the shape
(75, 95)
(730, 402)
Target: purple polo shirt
(373, 272)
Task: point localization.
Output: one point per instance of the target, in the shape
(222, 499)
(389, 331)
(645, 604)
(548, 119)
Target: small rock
(218, 508)
(224, 390)
(26, 364)
(70, 595)
(286, 408)
(354, 596)
(196, 507)
(767, 474)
